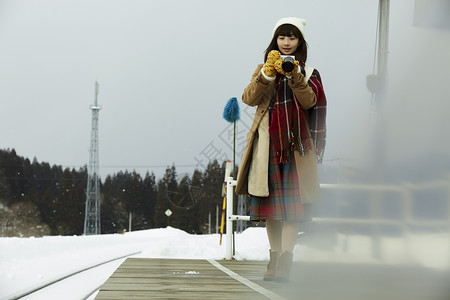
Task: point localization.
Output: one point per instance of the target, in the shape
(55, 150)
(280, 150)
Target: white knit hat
(297, 22)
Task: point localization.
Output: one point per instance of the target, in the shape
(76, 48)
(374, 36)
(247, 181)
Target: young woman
(287, 138)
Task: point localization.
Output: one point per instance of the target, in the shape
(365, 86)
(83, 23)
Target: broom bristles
(231, 112)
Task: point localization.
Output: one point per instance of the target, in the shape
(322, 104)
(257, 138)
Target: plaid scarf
(288, 130)
(317, 116)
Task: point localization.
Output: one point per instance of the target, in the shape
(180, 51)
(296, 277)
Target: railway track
(42, 288)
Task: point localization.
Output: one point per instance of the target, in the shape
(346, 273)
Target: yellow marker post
(224, 193)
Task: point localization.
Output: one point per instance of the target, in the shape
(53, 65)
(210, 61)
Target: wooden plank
(139, 278)
(199, 279)
(222, 295)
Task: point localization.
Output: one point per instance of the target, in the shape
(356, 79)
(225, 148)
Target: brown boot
(271, 267)
(284, 266)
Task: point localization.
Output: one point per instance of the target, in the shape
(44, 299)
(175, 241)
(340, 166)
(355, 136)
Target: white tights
(282, 235)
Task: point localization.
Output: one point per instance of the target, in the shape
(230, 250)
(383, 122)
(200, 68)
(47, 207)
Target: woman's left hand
(278, 66)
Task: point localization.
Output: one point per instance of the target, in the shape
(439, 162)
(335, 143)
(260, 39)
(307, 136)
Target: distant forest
(37, 199)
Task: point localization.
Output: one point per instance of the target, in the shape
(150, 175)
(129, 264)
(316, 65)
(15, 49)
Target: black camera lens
(288, 64)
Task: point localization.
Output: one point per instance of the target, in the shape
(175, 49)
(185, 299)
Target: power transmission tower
(92, 212)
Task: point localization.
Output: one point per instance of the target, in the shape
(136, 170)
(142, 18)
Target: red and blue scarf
(288, 128)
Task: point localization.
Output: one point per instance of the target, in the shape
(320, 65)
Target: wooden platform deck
(147, 278)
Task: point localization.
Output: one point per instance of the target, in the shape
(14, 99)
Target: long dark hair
(288, 30)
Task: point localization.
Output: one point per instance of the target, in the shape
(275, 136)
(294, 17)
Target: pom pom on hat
(297, 22)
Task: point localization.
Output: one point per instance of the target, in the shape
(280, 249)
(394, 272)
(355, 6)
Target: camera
(288, 63)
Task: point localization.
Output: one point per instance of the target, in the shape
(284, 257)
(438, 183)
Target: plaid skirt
(283, 202)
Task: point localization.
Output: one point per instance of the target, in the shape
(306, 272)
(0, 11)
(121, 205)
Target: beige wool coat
(253, 172)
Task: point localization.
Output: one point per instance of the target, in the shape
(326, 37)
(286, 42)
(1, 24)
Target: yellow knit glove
(278, 67)
(268, 67)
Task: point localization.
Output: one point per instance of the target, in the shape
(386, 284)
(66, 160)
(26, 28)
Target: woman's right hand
(279, 68)
(269, 66)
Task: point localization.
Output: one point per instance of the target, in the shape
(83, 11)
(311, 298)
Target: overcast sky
(166, 69)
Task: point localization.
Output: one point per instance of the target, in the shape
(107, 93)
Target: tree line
(37, 199)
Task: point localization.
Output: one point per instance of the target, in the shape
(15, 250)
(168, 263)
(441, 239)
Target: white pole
(209, 222)
(129, 223)
(380, 129)
(383, 50)
(229, 232)
(217, 219)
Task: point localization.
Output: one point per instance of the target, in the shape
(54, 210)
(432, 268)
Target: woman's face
(287, 44)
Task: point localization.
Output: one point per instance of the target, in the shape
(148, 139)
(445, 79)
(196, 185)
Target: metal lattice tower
(92, 213)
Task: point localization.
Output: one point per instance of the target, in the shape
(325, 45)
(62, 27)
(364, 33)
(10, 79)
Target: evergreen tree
(149, 194)
(212, 184)
(170, 178)
(38, 186)
(108, 219)
(167, 187)
(12, 166)
(197, 192)
(162, 204)
(181, 205)
(46, 185)
(5, 193)
(69, 205)
(53, 199)
(135, 200)
(114, 207)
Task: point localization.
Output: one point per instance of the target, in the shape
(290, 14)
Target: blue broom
(231, 114)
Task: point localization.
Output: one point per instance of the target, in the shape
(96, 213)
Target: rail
(35, 288)
(404, 190)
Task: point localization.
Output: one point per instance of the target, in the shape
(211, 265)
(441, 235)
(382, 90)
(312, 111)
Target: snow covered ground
(25, 262)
